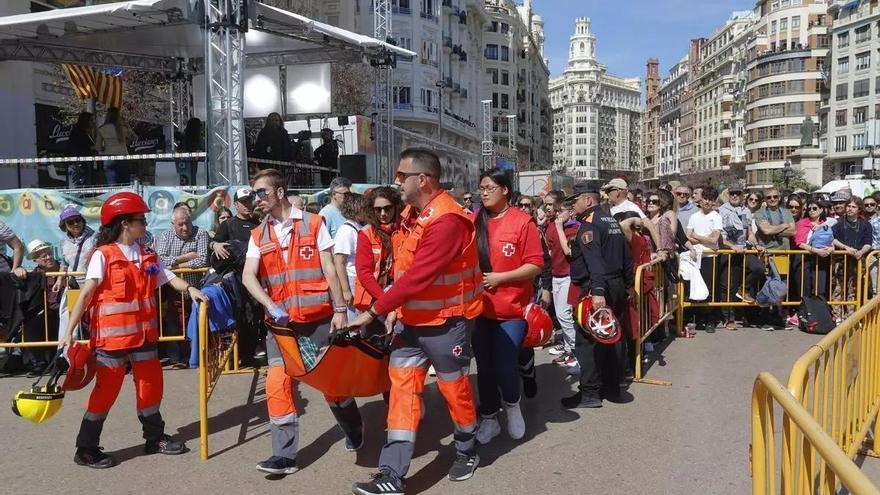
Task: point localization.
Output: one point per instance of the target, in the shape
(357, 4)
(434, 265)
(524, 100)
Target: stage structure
(182, 38)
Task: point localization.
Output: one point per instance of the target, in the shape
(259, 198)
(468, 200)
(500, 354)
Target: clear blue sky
(629, 31)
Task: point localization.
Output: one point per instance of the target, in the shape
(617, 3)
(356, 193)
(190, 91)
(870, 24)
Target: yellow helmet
(39, 404)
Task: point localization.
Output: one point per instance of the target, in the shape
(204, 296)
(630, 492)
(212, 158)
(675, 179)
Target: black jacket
(600, 252)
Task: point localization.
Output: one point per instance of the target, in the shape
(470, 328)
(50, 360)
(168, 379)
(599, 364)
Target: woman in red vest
(120, 293)
(510, 256)
(375, 245)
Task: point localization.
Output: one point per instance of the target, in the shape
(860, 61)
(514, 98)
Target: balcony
(447, 83)
(462, 56)
(428, 15)
(447, 43)
(401, 10)
(403, 106)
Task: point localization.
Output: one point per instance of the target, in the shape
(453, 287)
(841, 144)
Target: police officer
(601, 265)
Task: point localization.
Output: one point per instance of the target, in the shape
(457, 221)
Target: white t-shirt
(704, 225)
(627, 205)
(283, 231)
(346, 243)
(97, 264)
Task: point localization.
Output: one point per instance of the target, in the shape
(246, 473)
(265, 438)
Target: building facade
(596, 115)
(672, 90)
(787, 60)
(718, 100)
(852, 102)
(650, 132)
(688, 122)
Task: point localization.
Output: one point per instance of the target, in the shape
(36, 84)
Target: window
(863, 33)
(492, 52)
(505, 53)
(796, 108)
(783, 24)
(843, 65)
(860, 115)
(773, 27)
(493, 75)
(795, 22)
(505, 27)
(494, 100)
(493, 27)
(841, 92)
(840, 118)
(863, 60)
(861, 88)
(505, 100)
(843, 39)
(858, 141)
(505, 78)
(405, 43)
(402, 95)
(840, 143)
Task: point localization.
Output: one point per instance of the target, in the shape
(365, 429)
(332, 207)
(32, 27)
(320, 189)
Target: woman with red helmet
(119, 293)
(510, 256)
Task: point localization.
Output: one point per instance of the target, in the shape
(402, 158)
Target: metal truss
(487, 145)
(224, 66)
(58, 54)
(383, 96)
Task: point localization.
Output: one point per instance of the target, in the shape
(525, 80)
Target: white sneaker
(557, 350)
(516, 425)
(488, 429)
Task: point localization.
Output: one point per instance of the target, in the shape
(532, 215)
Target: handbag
(774, 290)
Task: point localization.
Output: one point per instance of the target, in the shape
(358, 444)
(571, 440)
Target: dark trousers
(602, 364)
(732, 279)
(816, 276)
(714, 271)
(496, 347)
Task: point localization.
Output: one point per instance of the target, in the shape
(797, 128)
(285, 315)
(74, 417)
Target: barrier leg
(203, 381)
(679, 309)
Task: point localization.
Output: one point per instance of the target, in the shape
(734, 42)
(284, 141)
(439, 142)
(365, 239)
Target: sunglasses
(383, 209)
(772, 196)
(525, 205)
(753, 200)
(736, 193)
(261, 194)
(73, 221)
(682, 194)
(870, 205)
(402, 176)
(611, 190)
(814, 208)
(653, 201)
(795, 207)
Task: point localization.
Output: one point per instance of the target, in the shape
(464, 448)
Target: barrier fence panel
(49, 341)
(734, 275)
(218, 353)
(655, 304)
(803, 436)
(838, 382)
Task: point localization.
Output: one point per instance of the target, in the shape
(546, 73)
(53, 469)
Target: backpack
(815, 316)
(774, 290)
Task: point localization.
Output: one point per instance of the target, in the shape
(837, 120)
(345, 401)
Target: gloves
(279, 316)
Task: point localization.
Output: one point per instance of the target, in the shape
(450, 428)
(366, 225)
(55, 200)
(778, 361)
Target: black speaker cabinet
(343, 120)
(354, 168)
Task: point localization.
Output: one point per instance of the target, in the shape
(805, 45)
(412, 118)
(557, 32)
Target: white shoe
(516, 425)
(556, 350)
(488, 429)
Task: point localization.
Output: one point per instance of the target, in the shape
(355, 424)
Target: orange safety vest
(456, 290)
(298, 285)
(123, 310)
(382, 262)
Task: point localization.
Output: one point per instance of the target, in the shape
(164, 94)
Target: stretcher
(344, 364)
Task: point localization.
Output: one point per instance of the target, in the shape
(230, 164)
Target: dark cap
(583, 187)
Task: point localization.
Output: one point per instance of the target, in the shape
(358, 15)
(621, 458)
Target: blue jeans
(496, 348)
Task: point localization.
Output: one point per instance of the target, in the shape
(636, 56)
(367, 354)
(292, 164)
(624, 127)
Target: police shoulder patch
(587, 237)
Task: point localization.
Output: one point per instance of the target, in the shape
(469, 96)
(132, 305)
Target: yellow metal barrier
(872, 284)
(838, 276)
(218, 354)
(802, 435)
(654, 305)
(838, 382)
(48, 342)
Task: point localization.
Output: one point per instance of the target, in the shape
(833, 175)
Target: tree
(797, 181)
(350, 88)
(144, 97)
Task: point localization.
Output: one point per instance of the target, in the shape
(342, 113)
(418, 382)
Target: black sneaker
(278, 465)
(579, 401)
(93, 458)
(164, 445)
(382, 484)
(530, 386)
(463, 467)
(355, 441)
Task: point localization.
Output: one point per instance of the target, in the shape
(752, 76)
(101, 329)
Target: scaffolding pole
(487, 145)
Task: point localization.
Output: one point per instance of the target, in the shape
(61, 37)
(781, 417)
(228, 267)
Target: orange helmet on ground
(123, 203)
(539, 327)
(601, 324)
(82, 367)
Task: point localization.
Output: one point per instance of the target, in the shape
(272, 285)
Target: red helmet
(82, 367)
(539, 327)
(123, 203)
(599, 324)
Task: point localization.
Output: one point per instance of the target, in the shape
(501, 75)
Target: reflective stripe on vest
(300, 274)
(126, 307)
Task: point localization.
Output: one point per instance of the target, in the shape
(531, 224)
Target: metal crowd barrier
(48, 341)
(801, 270)
(654, 306)
(803, 436)
(837, 381)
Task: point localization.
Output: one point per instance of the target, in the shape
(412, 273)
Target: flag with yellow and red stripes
(101, 86)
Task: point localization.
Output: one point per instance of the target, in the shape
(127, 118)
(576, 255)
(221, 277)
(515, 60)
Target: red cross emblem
(306, 252)
(456, 351)
(508, 249)
(426, 213)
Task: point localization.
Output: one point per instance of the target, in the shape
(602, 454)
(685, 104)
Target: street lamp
(786, 174)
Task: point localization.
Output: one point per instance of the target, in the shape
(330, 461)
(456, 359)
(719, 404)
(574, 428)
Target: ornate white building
(595, 114)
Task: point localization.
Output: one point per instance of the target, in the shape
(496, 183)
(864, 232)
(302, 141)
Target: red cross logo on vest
(508, 249)
(306, 252)
(426, 214)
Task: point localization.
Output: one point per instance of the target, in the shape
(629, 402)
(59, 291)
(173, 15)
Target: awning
(156, 34)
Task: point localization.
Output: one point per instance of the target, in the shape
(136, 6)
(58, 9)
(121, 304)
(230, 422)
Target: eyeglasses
(488, 189)
(653, 201)
(261, 194)
(682, 194)
(814, 208)
(611, 190)
(735, 193)
(383, 209)
(753, 199)
(525, 205)
(870, 205)
(772, 196)
(73, 221)
(795, 207)
(402, 176)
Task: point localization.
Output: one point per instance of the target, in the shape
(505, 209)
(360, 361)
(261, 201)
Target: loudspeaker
(342, 120)
(354, 168)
